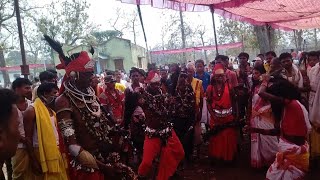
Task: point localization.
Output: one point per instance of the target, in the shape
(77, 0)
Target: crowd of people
(109, 127)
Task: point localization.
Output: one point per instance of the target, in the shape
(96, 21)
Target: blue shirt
(205, 80)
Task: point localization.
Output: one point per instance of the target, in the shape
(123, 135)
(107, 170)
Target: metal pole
(214, 29)
(24, 66)
(183, 36)
(144, 32)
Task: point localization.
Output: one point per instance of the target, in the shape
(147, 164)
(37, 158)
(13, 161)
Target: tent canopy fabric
(212, 47)
(285, 14)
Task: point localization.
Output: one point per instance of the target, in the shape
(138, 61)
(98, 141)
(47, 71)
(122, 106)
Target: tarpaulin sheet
(175, 51)
(169, 4)
(285, 14)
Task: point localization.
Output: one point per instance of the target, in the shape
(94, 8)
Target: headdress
(153, 77)
(77, 62)
(218, 69)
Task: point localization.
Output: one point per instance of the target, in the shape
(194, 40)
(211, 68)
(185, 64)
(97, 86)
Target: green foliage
(102, 36)
(234, 31)
(66, 20)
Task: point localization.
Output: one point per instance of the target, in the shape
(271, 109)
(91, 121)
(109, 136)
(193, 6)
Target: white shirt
(21, 126)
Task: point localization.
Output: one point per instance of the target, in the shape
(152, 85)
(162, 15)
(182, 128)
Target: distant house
(119, 53)
(115, 53)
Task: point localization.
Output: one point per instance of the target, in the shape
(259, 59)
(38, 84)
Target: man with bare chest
(160, 138)
(87, 128)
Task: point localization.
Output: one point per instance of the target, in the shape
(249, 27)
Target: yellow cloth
(22, 168)
(197, 89)
(301, 161)
(267, 67)
(48, 151)
(120, 87)
(34, 93)
(315, 144)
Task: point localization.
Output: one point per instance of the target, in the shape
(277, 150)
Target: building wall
(118, 48)
(115, 48)
(139, 52)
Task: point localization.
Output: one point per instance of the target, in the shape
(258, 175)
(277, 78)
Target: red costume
(86, 127)
(224, 144)
(160, 138)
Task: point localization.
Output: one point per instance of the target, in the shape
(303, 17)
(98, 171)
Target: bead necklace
(86, 98)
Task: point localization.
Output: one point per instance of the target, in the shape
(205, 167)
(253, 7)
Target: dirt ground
(202, 169)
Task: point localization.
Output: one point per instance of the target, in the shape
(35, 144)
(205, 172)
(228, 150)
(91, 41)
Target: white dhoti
(263, 147)
(205, 118)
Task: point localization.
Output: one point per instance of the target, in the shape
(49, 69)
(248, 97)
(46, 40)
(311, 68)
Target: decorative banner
(175, 51)
(18, 68)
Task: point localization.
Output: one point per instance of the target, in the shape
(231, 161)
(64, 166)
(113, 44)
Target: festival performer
(293, 126)
(184, 113)
(87, 128)
(230, 75)
(314, 113)
(263, 148)
(199, 93)
(222, 146)
(160, 138)
(113, 99)
(42, 138)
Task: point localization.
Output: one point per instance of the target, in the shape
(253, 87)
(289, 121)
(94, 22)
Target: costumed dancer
(263, 148)
(183, 115)
(42, 138)
(87, 128)
(160, 138)
(223, 145)
(292, 125)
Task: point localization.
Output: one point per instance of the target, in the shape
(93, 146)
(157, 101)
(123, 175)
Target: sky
(154, 19)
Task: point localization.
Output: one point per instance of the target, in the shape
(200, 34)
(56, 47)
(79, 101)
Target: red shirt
(114, 100)
(293, 120)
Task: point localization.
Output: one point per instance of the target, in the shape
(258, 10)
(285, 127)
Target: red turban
(82, 63)
(153, 77)
(218, 69)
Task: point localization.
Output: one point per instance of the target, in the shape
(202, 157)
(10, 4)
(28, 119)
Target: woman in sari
(292, 125)
(263, 148)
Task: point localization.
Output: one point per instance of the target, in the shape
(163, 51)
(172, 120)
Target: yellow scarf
(48, 149)
(196, 86)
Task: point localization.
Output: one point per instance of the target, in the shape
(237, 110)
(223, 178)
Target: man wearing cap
(223, 145)
(87, 128)
(160, 138)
